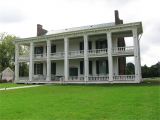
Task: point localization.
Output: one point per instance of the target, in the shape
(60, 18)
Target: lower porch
(79, 79)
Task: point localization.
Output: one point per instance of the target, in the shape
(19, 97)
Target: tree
(153, 71)
(6, 51)
(130, 69)
(145, 71)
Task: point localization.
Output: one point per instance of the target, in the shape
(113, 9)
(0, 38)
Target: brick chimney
(117, 19)
(121, 43)
(40, 30)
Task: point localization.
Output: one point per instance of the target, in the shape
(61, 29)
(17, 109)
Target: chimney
(121, 43)
(40, 30)
(117, 19)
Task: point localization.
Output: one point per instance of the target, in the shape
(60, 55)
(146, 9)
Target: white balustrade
(123, 77)
(123, 50)
(76, 78)
(39, 78)
(79, 53)
(57, 78)
(40, 55)
(57, 55)
(98, 78)
(97, 52)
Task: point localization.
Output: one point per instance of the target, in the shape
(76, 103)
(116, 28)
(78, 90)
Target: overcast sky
(19, 17)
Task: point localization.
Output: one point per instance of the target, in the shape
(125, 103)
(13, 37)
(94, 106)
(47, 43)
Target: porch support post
(137, 56)
(31, 66)
(66, 61)
(16, 62)
(48, 78)
(86, 65)
(110, 58)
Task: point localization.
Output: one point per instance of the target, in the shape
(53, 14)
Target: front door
(73, 71)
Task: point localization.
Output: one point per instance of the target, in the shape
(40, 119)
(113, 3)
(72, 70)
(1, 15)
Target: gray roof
(80, 28)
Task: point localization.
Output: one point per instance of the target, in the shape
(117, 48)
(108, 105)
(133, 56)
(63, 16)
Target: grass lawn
(7, 85)
(83, 102)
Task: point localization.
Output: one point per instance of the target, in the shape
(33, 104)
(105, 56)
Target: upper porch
(96, 37)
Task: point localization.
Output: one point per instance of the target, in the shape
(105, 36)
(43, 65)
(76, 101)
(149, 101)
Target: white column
(86, 65)
(66, 61)
(31, 66)
(16, 62)
(48, 78)
(44, 50)
(110, 58)
(137, 56)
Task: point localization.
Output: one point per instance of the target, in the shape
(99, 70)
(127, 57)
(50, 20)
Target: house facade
(89, 54)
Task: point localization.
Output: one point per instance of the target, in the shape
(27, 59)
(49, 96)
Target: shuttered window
(38, 68)
(81, 67)
(90, 67)
(53, 68)
(53, 48)
(81, 45)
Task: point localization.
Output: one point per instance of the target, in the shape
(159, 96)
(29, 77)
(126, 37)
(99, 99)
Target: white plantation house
(89, 54)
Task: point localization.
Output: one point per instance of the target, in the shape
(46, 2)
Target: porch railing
(39, 78)
(122, 50)
(57, 78)
(40, 55)
(123, 77)
(79, 53)
(97, 52)
(98, 78)
(57, 55)
(76, 78)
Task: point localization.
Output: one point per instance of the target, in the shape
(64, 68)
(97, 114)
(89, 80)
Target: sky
(19, 18)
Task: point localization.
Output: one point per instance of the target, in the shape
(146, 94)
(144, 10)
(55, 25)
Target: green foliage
(130, 69)
(153, 71)
(82, 102)
(6, 51)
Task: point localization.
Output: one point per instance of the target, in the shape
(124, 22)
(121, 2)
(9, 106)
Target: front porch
(79, 79)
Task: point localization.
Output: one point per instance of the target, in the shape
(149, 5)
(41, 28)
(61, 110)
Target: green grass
(82, 102)
(7, 85)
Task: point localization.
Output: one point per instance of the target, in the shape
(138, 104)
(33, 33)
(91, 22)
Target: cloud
(11, 15)
(20, 17)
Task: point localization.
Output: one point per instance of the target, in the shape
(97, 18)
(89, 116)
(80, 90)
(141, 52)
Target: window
(38, 50)
(90, 67)
(53, 68)
(53, 48)
(81, 67)
(102, 67)
(73, 71)
(101, 44)
(81, 47)
(38, 68)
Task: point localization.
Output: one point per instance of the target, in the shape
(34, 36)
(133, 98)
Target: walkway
(12, 88)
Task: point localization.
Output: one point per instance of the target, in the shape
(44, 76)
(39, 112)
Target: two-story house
(88, 54)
